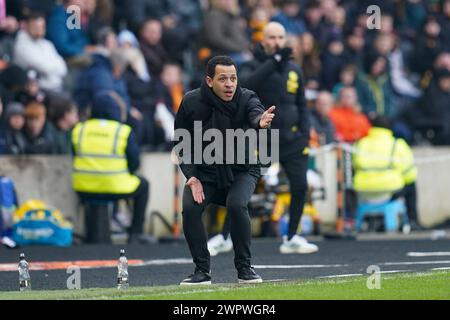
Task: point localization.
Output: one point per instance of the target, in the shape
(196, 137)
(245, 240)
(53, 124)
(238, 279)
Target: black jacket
(282, 87)
(194, 108)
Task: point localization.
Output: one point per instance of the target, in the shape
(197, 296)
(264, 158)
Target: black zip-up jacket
(195, 108)
(283, 87)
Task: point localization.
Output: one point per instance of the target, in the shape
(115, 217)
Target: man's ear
(209, 81)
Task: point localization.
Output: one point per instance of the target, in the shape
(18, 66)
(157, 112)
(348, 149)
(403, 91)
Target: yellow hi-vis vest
(382, 163)
(100, 164)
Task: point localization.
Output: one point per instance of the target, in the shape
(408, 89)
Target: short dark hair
(35, 15)
(218, 60)
(380, 121)
(59, 106)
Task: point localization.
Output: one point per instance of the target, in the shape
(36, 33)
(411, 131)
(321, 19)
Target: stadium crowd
(151, 52)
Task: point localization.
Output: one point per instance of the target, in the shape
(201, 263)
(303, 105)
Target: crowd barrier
(48, 178)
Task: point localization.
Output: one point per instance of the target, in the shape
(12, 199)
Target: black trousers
(409, 193)
(140, 200)
(236, 200)
(296, 165)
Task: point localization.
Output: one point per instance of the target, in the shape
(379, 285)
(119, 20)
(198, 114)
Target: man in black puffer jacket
(219, 104)
(278, 81)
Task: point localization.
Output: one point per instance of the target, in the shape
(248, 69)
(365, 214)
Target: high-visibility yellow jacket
(383, 163)
(100, 164)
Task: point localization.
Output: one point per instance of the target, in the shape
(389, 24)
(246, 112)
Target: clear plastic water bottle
(122, 271)
(24, 274)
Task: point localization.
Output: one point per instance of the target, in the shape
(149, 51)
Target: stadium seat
(394, 213)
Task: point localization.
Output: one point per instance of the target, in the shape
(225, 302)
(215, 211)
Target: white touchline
(438, 269)
(396, 271)
(276, 280)
(300, 266)
(412, 263)
(164, 262)
(341, 276)
(428, 254)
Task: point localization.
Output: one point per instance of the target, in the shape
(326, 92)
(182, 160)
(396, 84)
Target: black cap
(14, 76)
(442, 73)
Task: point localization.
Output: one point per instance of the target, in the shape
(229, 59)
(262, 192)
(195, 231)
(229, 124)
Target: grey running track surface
(169, 263)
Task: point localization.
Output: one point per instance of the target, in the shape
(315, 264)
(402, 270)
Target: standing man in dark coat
(279, 82)
(222, 105)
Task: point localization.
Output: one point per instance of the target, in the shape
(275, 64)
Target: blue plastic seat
(394, 213)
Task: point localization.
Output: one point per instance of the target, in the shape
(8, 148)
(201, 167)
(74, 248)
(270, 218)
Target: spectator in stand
(259, 18)
(70, 42)
(388, 45)
(154, 52)
(106, 40)
(33, 51)
(347, 78)
(311, 63)
(289, 17)
(181, 23)
(223, 33)
(13, 84)
(434, 111)
(350, 123)
(64, 116)
(320, 119)
(141, 89)
(333, 61)
(100, 14)
(428, 46)
(12, 140)
(141, 11)
(444, 22)
(355, 43)
(9, 25)
(127, 39)
(38, 131)
(172, 79)
(314, 21)
(374, 88)
(336, 21)
(386, 27)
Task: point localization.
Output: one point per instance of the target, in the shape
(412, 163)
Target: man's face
(224, 83)
(274, 38)
(17, 121)
(348, 97)
(324, 103)
(444, 84)
(36, 28)
(152, 32)
(71, 118)
(378, 67)
(35, 125)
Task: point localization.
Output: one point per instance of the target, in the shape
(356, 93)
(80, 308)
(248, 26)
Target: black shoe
(415, 226)
(141, 239)
(248, 275)
(197, 279)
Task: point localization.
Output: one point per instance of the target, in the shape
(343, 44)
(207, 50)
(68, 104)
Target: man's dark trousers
(236, 200)
(296, 165)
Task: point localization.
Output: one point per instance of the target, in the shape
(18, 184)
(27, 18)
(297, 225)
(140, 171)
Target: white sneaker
(218, 244)
(297, 245)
